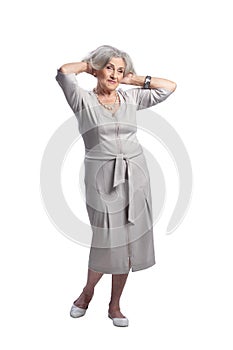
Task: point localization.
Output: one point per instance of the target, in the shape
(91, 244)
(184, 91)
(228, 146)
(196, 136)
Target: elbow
(173, 86)
(170, 86)
(62, 69)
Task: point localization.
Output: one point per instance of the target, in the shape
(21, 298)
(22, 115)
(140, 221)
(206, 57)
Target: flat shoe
(76, 311)
(119, 322)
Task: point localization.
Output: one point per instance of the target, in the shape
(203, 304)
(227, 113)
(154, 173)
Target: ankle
(113, 306)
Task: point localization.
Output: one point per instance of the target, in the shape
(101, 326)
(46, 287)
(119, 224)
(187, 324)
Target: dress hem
(143, 266)
(134, 268)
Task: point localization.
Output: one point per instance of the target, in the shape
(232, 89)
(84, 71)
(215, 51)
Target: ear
(94, 72)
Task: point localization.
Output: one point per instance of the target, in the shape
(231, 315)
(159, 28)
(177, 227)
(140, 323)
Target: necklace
(111, 106)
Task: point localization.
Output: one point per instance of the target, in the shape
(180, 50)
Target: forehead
(117, 62)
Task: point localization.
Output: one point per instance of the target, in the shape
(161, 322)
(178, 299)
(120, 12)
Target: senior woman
(117, 183)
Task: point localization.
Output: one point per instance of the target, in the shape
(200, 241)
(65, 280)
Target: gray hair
(103, 54)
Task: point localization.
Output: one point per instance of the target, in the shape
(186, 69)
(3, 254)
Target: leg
(85, 297)
(118, 283)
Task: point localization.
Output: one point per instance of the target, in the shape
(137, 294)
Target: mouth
(112, 82)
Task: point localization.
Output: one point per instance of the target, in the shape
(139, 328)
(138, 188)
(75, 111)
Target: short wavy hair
(103, 54)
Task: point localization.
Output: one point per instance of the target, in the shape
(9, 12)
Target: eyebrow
(114, 66)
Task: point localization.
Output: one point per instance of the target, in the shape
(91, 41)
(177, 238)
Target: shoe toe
(76, 311)
(120, 322)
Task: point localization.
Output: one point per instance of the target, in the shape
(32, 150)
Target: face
(111, 75)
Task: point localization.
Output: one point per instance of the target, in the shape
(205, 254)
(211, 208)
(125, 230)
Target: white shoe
(76, 311)
(119, 322)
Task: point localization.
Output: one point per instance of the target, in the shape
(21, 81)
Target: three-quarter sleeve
(145, 98)
(74, 94)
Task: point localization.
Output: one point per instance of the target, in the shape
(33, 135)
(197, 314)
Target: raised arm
(75, 95)
(139, 80)
(76, 67)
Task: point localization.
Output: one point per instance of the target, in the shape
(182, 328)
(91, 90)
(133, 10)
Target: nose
(113, 74)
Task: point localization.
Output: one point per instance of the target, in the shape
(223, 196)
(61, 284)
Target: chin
(113, 87)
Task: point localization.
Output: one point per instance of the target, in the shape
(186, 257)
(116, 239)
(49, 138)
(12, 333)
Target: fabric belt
(119, 176)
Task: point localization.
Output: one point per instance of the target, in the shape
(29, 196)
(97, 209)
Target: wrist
(147, 82)
(85, 67)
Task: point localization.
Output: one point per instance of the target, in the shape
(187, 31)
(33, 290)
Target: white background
(185, 300)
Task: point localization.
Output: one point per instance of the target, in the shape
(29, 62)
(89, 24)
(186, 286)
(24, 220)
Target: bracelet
(147, 82)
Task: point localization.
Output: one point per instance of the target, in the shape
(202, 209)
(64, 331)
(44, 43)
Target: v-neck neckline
(107, 112)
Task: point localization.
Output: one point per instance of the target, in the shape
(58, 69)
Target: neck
(105, 92)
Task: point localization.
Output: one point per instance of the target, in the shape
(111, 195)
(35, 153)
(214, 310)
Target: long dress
(117, 182)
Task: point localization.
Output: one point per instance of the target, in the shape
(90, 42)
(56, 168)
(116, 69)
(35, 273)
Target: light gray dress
(117, 182)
